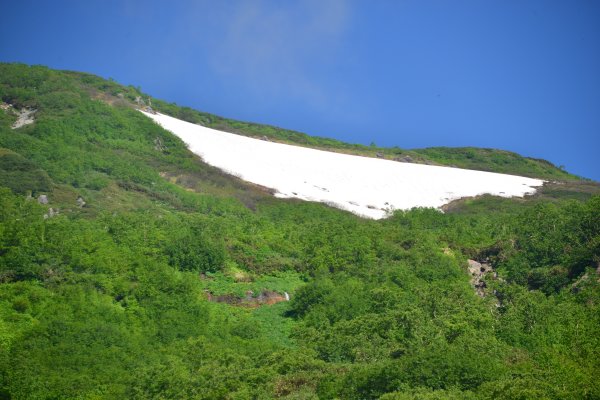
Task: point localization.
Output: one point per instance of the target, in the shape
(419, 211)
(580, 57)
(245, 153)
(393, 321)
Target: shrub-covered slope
(158, 282)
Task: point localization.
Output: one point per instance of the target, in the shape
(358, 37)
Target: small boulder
(407, 159)
(80, 202)
(51, 213)
(42, 199)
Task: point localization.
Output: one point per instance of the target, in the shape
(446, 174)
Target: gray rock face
(80, 202)
(478, 272)
(43, 199)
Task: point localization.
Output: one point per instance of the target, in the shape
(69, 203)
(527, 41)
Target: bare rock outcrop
(480, 271)
(24, 117)
(159, 145)
(80, 202)
(406, 159)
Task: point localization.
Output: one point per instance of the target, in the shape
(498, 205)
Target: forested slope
(149, 274)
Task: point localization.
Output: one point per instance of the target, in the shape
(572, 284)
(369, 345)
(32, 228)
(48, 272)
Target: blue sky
(517, 75)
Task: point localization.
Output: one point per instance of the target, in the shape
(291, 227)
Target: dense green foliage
(22, 175)
(494, 160)
(109, 300)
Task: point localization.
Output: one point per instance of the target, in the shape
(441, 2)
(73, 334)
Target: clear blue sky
(519, 75)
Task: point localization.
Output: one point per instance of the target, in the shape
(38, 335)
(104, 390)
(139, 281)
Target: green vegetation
(468, 157)
(493, 160)
(109, 300)
(22, 175)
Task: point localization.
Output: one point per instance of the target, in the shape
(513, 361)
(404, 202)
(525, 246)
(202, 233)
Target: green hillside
(472, 158)
(129, 269)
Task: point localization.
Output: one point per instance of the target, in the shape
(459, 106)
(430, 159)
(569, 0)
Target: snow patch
(368, 187)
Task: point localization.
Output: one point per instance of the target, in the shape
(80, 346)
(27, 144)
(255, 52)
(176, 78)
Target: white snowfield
(368, 187)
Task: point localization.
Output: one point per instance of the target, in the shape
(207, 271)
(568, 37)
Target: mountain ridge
(485, 159)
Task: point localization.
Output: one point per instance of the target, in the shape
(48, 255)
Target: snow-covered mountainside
(368, 187)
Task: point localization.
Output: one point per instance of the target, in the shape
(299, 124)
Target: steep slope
(366, 186)
(137, 271)
(491, 160)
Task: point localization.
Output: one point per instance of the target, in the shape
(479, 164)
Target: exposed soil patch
(266, 297)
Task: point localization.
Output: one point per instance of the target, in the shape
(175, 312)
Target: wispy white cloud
(278, 47)
(280, 51)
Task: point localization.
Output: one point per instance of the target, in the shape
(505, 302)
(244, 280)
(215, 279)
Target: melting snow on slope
(368, 187)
